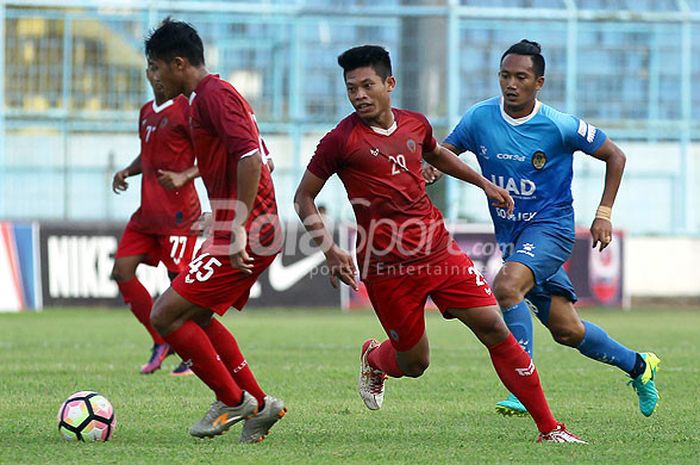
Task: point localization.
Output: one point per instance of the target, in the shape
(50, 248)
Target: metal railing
(72, 71)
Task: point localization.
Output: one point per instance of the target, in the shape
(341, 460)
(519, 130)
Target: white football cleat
(560, 434)
(371, 381)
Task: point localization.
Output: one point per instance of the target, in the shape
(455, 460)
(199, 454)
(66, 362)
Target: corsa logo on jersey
(510, 156)
(524, 188)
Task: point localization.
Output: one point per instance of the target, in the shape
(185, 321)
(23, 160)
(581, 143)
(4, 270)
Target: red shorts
(399, 300)
(212, 283)
(174, 251)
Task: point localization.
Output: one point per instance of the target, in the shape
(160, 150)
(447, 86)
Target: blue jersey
(531, 157)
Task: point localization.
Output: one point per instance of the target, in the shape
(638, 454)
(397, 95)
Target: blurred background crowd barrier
(73, 82)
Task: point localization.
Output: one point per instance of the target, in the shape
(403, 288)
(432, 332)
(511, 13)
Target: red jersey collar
(381, 131)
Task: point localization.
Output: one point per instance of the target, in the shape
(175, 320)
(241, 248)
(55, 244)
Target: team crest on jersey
(539, 159)
(374, 152)
(164, 122)
(411, 144)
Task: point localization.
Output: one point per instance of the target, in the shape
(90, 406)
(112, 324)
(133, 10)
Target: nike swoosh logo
(284, 277)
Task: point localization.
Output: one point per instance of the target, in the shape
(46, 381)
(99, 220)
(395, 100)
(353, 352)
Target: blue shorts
(540, 296)
(544, 250)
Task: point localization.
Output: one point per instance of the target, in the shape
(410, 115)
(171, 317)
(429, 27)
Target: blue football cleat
(644, 385)
(511, 407)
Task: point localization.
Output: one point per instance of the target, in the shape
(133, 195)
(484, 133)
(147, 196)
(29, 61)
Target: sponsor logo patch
(484, 152)
(509, 156)
(527, 249)
(586, 130)
(582, 128)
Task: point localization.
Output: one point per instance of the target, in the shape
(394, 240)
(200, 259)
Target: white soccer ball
(86, 416)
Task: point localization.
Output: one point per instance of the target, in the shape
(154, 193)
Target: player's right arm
(460, 132)
(119, 183)
(339, 261)
(432, 174)
(175, 180)
(614, 158)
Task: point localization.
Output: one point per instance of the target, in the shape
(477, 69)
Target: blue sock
(596, 344)
(519, 322)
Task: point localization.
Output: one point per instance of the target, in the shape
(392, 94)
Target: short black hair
(172, 39)
(531, 49)
(366, 55)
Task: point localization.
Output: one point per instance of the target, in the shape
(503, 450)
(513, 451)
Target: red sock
(227, 348)
(518, 374)
(192, 344)
(384, 358)
(140, 302)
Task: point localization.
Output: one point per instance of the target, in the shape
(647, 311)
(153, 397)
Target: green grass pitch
(310, 359)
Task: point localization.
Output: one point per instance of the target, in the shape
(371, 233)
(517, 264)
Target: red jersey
(224, 131)
(165, 145)
(381, 171)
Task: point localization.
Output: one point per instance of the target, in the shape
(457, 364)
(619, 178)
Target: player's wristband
(604, 213)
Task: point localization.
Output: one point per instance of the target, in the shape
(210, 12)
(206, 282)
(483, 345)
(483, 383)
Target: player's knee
(120, 273)
(159, 318)
(416, 367)
(491, 330)
(506, 293)
(496, 328)
(569, 335)
(203, 319)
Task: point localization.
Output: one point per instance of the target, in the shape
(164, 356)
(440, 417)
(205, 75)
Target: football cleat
(256, 428)
(182, 369)
(371, 381)
(158, 354)
(645, 386)
(221, 417)
(560, 434)
(511, 407)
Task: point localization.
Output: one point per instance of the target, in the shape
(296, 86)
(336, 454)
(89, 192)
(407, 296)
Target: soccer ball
(86, 416)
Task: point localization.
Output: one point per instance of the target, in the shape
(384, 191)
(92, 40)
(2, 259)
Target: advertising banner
(20, 286)
(78, 259)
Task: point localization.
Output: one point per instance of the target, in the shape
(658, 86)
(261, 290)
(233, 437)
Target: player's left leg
(179, 322)
(464, 294)
(134, 293)
(534, 257)
(227, 347)
(514, 367)
(399, 303)
(135, 248)
(175, 252)
(211, 282)
(511, 284)
(591, 340)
